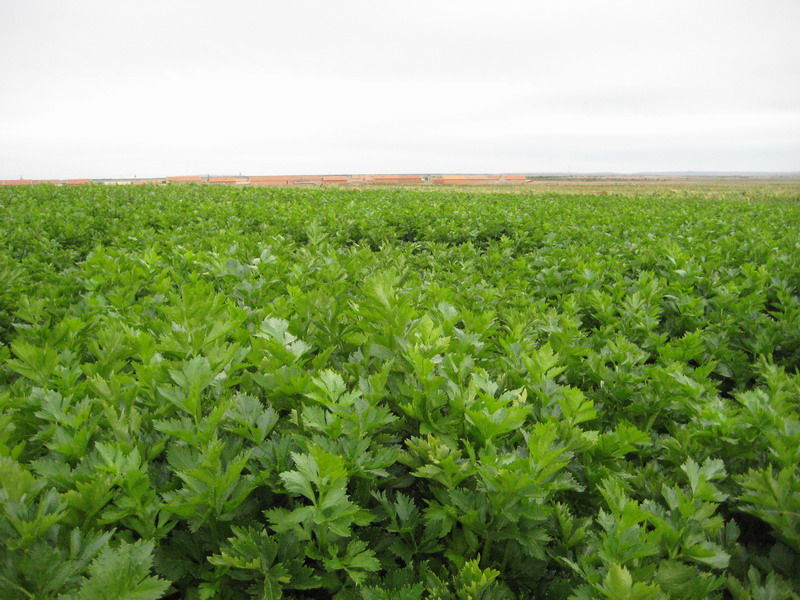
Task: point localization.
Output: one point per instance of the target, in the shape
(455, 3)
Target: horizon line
(433, 178)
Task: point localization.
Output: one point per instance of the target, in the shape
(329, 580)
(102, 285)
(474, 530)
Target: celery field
(395, 394)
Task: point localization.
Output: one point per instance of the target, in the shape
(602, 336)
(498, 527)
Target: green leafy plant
(391, 394)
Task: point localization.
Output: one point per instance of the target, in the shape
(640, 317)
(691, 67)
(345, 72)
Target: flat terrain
(669, 184)
(515, 183)
(571, 390)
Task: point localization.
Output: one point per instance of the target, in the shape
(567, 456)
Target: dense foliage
(390, 394)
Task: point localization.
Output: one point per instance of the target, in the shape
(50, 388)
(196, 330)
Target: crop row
(225, 393)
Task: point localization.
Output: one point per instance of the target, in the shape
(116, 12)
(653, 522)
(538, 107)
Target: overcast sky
(110, 88)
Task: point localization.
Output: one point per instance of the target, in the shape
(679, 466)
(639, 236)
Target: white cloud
(104, 89)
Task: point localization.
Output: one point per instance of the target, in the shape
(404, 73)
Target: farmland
(406, 394)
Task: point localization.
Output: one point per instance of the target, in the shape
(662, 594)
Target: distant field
(721, 187)
(762, 187)
(780, 186)
(569, 390)
(670, 183)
